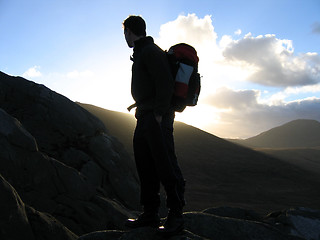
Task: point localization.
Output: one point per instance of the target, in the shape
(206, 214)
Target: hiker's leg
(148, 175)
(167, 129)
(165, 167)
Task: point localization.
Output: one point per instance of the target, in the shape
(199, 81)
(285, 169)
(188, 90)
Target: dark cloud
(248, 117)
(262, 118)
(226, 98)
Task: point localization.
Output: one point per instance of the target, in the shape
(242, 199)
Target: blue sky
(259, 59)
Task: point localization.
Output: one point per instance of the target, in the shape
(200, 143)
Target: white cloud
(190, 29)
(225, 41)
(200, 33)
(265, 59)
(274, 61)
(238, 32)
(305, 89)
(32, 72)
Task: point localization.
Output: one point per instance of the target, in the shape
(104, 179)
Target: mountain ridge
(294, 134)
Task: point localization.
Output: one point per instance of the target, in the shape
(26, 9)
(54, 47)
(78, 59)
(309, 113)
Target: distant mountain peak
(296, 133)
(302, 122)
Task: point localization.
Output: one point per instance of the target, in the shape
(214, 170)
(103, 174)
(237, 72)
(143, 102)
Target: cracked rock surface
(60, 159)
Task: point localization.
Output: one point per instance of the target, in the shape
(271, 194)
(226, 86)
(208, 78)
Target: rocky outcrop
(292, 224)
(211, 226)
(53, 187)
(13, 218)
(301, 222)
(19, 221)
(60, 159)
(66, 132)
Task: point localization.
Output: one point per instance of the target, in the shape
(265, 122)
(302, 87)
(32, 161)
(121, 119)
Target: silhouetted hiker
(152, 88)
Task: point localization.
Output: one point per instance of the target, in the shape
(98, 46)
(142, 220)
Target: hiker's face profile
(128, 37)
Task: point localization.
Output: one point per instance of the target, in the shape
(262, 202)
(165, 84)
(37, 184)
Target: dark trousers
(156, 161)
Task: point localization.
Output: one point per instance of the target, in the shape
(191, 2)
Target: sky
(259, 60)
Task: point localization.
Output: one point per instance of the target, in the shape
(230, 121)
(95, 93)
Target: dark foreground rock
(137, 234)
(20, 221)
(60, 159)
(215, 227)
(302, 222)
(292, 224)
(68, 133)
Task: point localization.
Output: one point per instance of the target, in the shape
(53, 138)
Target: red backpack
(183, 61)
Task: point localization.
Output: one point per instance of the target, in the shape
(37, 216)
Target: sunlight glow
(201, 116)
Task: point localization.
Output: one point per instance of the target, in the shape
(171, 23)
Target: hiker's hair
(136, 24)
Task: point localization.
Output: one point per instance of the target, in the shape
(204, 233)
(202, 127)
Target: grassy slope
(306, 158)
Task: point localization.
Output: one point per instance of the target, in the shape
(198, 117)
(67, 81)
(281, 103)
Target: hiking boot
(146, 219)
(173, 225)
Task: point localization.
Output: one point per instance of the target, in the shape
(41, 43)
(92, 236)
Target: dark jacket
(152, 83)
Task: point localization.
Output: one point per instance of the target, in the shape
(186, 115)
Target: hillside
(296, 142)
(306, 158)
(300, 133)
(120, 125)
(219, 172)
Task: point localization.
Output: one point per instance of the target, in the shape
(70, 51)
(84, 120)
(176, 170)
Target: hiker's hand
(158, 118)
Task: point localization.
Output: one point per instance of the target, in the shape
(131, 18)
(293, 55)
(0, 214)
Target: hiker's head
(134, 28)
(136, 24)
